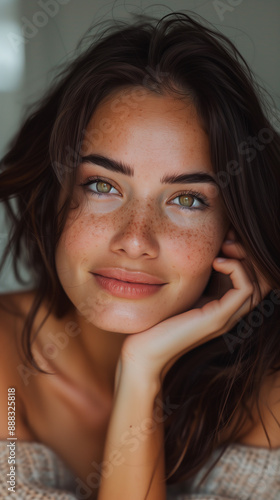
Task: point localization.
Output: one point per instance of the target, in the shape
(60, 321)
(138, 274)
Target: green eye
(98, 187)
(191, 200)
(186, 200)
(103, 187)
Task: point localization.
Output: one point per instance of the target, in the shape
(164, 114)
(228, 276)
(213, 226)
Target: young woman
(144, 195)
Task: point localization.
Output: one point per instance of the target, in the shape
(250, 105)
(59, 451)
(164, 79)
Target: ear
(230, 234)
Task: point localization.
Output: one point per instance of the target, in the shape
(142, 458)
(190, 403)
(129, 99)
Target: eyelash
(199, 196)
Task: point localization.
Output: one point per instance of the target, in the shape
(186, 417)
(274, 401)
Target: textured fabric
(242, 473)
(40, 474)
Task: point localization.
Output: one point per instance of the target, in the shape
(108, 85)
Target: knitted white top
(242, 473)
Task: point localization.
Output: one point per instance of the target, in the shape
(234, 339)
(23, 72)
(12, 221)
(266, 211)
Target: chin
(124, 325)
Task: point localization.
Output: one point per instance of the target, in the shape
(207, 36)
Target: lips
(129, 276)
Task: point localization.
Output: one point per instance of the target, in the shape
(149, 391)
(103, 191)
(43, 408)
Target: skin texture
(139, 225)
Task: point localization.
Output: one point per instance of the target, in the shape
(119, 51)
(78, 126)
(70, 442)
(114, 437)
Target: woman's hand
(147, 356)
(232, 295)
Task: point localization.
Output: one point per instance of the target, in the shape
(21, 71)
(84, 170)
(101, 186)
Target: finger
(235, 250)
(190, 327)
(234, 298)
(220, 315)
(241, 278)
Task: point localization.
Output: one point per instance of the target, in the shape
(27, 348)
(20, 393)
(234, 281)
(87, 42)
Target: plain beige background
(37, 35)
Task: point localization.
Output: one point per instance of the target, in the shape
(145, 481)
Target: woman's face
(137, 212)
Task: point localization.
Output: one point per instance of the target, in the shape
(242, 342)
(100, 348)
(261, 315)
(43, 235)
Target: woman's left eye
(99, 187)
(190, 200)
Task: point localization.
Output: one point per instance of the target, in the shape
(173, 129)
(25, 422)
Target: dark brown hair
(187, 58)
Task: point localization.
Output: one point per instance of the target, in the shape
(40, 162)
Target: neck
(79, 352)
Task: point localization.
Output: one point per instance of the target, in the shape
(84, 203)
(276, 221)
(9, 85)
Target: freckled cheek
(195, 250)
(81, 236)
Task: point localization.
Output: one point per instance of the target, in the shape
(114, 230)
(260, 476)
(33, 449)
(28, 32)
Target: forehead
(147, 127)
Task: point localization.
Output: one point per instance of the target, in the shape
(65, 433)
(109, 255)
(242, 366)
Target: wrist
(137, 379)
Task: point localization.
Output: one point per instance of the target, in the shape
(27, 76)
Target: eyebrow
(120, 167)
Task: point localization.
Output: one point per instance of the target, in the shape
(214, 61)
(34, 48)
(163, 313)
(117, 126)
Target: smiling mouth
(129, 282)
(129, 276)
(127, 289)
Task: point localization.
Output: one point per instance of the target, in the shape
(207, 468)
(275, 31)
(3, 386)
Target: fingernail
(229, 242)
(220, 259)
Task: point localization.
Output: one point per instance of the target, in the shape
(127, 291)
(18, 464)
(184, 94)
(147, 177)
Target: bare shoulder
(13, 310)
(16, 302)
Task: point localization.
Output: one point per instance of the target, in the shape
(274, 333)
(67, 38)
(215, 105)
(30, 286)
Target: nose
(136, 237)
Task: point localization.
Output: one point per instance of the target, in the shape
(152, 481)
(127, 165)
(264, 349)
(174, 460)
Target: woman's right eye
(99, 187)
